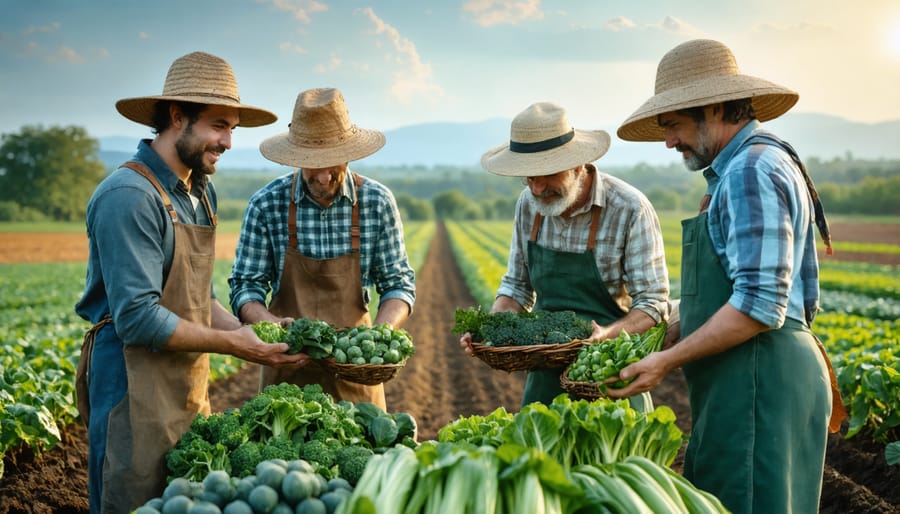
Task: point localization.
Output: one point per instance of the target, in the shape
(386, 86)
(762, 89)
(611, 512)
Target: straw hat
(697, 73)
(320, 134)
(541, 142)
(201, 78)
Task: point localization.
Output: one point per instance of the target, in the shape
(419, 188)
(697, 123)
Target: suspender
(147, 174)
(592, 234)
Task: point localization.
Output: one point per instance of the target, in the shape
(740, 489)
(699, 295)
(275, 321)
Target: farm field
(440, 383)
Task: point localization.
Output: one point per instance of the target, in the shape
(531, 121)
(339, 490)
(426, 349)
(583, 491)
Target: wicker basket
(527, 357)
(586, 390)
(366, 374)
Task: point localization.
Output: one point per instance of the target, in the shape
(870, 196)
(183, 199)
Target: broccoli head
(227, 428)
(280, 447)
(244, 459)
(351, 462)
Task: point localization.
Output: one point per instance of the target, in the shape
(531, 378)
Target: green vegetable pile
(287, 422)
(515, 477)
(520, 328)
(576, 432)
(601, 360)
(275, 486)
(378, 344)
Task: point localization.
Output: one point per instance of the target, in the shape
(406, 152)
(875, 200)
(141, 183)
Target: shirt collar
(720, 163)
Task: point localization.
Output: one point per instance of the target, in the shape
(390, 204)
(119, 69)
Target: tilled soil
(439, 384)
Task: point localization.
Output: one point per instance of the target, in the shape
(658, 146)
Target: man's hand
(252, 349)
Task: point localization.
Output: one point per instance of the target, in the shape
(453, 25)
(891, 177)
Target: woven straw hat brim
(587, 146)
(281, 149)
(769, 102)
(140, 109)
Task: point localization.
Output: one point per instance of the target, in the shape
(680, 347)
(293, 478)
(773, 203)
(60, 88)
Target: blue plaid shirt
(322, 233)
(761, 226)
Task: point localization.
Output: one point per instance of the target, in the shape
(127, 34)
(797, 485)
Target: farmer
(758, 378)
(583, 240)
(320, 237)
(144, 368)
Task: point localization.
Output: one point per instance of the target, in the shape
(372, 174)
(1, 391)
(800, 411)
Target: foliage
(53, 171)
(600, 360)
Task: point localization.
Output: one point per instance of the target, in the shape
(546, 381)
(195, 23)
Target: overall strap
(354, 220)
(821, 222)
(292, 213)
(147, 174)
(592, 233)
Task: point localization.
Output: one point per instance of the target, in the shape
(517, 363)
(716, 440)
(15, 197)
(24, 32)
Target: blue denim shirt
(131, 245)
(761, 226)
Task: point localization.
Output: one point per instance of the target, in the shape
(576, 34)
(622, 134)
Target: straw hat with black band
(321, 134)
(200, 78)
(542, 142)
(698, 73)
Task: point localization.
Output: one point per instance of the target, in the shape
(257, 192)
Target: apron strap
(143, 171)
(838, 412)
(592, 233)
(82, 374)
(354, 223)
(292, 213)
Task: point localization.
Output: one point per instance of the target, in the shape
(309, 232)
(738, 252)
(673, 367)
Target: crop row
(40, 343)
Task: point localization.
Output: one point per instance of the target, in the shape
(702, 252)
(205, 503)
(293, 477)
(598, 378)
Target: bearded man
(583, 240)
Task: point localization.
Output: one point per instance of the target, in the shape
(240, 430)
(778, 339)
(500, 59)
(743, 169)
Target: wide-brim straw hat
(542, 142)
(698, 73)
(201, 78)
(321, 134)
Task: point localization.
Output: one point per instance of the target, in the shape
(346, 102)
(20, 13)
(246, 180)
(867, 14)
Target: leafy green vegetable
(601, 360)
(315, 338)
(269, 331)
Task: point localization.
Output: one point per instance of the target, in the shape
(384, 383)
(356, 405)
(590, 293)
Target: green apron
(759, 410)
(569, 281)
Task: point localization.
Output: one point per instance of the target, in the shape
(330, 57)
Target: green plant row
(481, 270)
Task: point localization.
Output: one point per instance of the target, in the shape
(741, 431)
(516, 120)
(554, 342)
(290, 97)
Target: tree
(53, 171)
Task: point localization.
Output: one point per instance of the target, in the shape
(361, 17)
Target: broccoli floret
(318, 451)
(351, 462)
(193, 458)
(244, 459)
(556, 337)
(279, 448)
(226, 428)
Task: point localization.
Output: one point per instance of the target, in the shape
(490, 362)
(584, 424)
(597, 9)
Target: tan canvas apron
(166, 390)
(325, 289)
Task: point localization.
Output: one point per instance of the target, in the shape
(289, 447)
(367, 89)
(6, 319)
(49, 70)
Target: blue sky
(65, 62)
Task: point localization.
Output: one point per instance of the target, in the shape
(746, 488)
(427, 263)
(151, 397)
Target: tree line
(48, 174)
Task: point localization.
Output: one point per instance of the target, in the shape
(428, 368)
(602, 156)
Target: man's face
(203, 141)
(552, 195)
(323, 184)
(693, 139)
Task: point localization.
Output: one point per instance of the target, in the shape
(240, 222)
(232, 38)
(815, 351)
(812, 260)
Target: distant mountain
(462, 144)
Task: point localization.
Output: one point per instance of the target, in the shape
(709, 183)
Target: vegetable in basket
(521, 328)
(600, 360)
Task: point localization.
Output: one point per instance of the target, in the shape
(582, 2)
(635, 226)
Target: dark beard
(192, 155)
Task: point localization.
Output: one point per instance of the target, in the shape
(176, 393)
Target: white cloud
(143, 35)
(620, 23)
(300, 9)
(678, 26)
(34, 29)
(334, 62)
(412, 77)
(503, 12)
(67, 54)
(291, 48)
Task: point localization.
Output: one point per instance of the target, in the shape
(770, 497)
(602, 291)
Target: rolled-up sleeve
(128, 229)
(516, 282)
(255, 262)
(392, 275)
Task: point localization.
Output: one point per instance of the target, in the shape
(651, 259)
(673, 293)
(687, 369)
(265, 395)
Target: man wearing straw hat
(583, 240)
(320, 237)
(758, 378)
(143, 374)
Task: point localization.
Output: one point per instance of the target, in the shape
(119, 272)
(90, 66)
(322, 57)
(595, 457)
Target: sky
(405, 62)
